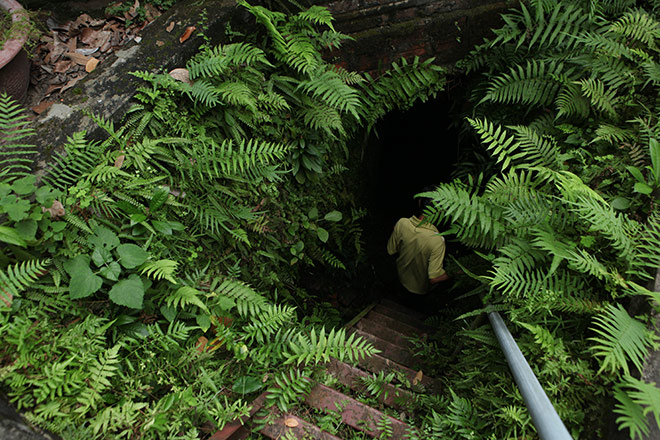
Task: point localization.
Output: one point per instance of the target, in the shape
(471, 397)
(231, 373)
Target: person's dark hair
(423, 202)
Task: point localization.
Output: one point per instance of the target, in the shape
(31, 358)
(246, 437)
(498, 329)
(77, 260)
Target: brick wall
(386, 30)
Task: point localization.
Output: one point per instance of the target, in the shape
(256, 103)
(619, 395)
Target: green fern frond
(312, 347)
(613, 134)
(498, 141)
(531, 85)
(160, 270)
(248, 301)
(571, 102)
(269, 321)
(204, 92)
(323, 117)
(100, 372)
(621, 339)
(80, 157)
(331, 89)
(632, 415)
(217, 61)
(639, 26)
(19, 276)
(186, 295)
(602, 99)
(15, 157)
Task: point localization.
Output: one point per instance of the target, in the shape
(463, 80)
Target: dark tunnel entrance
(408, 151)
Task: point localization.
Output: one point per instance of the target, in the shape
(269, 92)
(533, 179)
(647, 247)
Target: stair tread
(397, 353)
(376, 363)
(282, 426)
(401, 313)
(395, 324)
(353, 413)
(350, 376)
(386, 333)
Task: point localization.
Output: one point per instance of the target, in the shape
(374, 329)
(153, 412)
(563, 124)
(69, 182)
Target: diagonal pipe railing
(544, 416)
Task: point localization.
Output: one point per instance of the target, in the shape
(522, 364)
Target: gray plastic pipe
(546, 420)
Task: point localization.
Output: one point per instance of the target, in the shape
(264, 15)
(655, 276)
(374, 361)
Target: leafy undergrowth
(150, 282)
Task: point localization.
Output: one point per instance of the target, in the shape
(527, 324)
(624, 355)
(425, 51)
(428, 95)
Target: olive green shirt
(421, 253)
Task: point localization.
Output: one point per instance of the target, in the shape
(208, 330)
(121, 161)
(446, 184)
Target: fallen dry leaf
(78, 58)
(169, 27)
(72, 82)
(187, 33)
(120, 160)
(291, 422)
(201, 344)
(181, 75)
(56, 211)
(87, 51)
(160, 43)
(91, 65)
(133, 10)
(42, 107)
(62, 66)
(418, 377)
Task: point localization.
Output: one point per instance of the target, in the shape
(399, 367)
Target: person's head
(423, 202)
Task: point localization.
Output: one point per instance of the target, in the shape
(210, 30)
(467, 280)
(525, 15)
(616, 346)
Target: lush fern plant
(566, 108)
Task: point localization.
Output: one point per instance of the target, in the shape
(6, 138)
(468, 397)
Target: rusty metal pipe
(544, 416)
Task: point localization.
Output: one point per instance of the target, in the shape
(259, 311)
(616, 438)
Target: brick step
(353, 413)
(377, 363)
(235, 430)
(402, 314)
(400, 355)
(351, 377)
(290, 426)
(368, 325)
(394, 324)
(393, 305)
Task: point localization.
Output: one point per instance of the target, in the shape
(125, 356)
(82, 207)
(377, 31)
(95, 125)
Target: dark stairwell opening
(407, 151)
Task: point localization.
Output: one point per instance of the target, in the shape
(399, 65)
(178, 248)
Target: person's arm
(393, 242)
(437, 272)
(441, 278)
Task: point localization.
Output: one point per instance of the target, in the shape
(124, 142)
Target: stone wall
(386, 30)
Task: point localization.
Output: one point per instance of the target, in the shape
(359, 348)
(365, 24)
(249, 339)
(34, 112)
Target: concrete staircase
(389, 327)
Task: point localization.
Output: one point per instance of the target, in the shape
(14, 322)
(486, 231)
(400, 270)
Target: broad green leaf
(137, 218)
(25, 185)
(654, 148)
(225, 303)
(111, 271)
(158, 199)
(162, 227)
(642, 188)
(27, 229)
(621, 203)
(203, 321)
(322, 234)
(176, 226)
(168, 312)
(313, 214)
(103, 237)
(636, 173)
(101, 256)
(128, 292)
(333, 216)
(11, 236)
(15, 208)
(5, 189)
(83, 281)
(46, 195)
(246, 385)
(131, 255)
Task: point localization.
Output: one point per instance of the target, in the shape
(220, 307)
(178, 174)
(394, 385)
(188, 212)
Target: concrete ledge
(108, 90)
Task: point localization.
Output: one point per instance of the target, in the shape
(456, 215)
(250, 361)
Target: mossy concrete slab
(107, 91)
